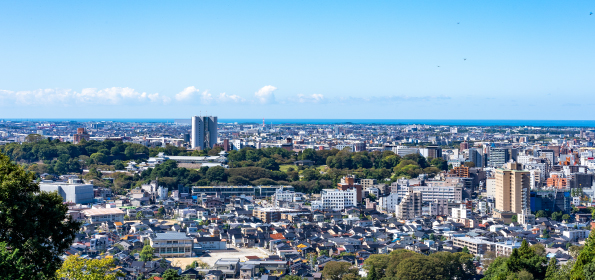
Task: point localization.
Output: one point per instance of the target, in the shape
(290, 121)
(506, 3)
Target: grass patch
(284, 167)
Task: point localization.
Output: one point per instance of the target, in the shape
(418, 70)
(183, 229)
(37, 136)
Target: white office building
(286, 195)
(461, 213)
(388, 203)
(337, 200)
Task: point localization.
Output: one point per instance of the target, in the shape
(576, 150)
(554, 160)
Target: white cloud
(265, 94)
(206, 97)
(186, 94)
(314, 98)
(224, 97)
(67, 97)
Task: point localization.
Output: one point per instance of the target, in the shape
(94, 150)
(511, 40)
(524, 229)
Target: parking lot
(213, 256)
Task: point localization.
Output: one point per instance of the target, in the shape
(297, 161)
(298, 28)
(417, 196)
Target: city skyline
(330, 60)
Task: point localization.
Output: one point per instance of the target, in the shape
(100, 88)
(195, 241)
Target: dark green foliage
(540, 214)
(403, 264)
(552, 267)
(64, 157)
(170, 274)
(14, 265)
(216, 174)
(34, 228)
(372, 274)
(557, 216)
(521, 259)
(585, 258)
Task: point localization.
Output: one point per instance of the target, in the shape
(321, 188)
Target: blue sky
(297, 59)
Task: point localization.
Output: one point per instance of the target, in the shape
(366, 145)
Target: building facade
(171, 245)
(204, 132)
(410, 206)
(512, 190)
(73, 191)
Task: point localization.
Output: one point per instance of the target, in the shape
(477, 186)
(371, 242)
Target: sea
(450, 122)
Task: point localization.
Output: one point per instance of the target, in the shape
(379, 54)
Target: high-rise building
(464, 146)
(498, 157)
(410, 206)
(476, 157)
(431, 152)
(512, 189)
(204, 132)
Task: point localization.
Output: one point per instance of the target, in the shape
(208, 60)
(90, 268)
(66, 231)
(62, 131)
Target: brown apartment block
(461, 171)
(348, 183)
(512, 190)
(269, 215)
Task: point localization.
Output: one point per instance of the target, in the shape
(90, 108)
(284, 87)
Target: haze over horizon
(302, 60)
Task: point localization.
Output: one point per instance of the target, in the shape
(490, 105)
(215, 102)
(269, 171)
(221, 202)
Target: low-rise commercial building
(95, 216)
(171, 244)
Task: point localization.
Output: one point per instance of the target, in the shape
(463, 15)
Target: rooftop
(103, 211)
(171, 235)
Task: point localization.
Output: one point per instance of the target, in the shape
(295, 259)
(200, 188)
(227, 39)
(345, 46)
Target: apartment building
(336, 199)
(475, 245)
(388, 203)
(461, 212)
(283, 195)
(348, 183)
(410, 206)
(512, 189)
(273, 214)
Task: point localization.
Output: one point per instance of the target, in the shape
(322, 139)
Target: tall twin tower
(204, 132)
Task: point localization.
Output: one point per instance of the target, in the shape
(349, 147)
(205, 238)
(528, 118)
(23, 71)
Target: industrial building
(74, 190)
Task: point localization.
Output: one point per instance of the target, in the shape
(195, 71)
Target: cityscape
(297, 140)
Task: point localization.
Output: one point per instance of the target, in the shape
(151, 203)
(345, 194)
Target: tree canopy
(522, 261)
(405, 265)
(75, 267)
(34, 227)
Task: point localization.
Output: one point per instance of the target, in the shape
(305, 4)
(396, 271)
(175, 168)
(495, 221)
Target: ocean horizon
(449, 122)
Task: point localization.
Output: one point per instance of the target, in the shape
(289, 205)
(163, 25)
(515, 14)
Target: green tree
(465, 250)
(161, 212)
(541, 214)
(75, 267)
(337, 270)
(589, 271)
(557, 216)
(216, 174)
(585, 257)
(146, 254)
(268, 163)
(552, 268)
(310, 174)
(99, 158)
(170, 274)
(14, 265)
(118, 165)
(372, 274)
(515, 218)
(522, 259)
(34, 227)
(565, 217)
(33, 138)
